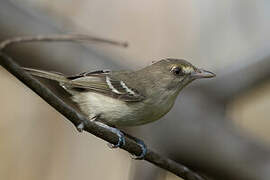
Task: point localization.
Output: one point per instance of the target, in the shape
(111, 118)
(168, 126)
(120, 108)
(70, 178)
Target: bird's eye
(177, 71)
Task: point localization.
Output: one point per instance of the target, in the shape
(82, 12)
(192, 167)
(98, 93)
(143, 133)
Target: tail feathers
(47, 75)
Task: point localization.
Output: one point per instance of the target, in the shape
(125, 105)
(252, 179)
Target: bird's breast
(119, 113)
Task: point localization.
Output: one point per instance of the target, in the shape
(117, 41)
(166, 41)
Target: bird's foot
(143, 148)
(121, 139)
(141, 144)
(121, 136)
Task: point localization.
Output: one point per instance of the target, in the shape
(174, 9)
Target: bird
(124, 98)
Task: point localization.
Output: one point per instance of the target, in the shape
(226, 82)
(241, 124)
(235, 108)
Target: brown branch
(76, 118)
(53, 38)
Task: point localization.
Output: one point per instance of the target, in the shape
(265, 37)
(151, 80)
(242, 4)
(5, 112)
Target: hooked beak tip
(201, 73)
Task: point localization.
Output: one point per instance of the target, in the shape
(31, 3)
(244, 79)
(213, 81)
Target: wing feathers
(104, 83)
(46, 74)
(97, 81)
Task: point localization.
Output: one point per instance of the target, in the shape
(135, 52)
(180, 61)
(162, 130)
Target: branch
(53, 38)
(76, 118)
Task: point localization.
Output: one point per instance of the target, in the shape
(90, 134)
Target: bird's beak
(200, 73)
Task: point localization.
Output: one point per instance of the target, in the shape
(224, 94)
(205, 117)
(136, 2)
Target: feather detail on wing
(102, 82)
(97, 81)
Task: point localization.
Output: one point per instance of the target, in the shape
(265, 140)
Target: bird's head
(175, 74)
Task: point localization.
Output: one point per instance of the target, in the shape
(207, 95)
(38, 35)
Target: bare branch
(53, 38)
(76, 118)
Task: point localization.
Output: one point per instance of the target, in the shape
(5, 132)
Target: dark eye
(177, 71)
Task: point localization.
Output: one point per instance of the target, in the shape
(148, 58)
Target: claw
(80, 127)
(143, 148)
(121, 140)
(121, 136)
(141, 144)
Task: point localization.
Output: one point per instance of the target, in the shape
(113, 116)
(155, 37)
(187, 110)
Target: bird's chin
(184, 82)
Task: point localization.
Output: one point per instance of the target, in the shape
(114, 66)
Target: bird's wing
(104, 83)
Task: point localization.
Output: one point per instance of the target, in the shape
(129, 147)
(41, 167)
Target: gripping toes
(143, 148)
(141, 144)
(121, 139)
(121, 136)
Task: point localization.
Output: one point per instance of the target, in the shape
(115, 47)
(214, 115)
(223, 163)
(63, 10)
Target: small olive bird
(127, 98)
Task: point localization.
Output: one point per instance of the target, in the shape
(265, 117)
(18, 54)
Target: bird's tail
(47, 75)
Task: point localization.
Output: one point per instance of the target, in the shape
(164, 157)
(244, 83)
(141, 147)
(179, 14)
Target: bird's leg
(121, 136)
(141, 144)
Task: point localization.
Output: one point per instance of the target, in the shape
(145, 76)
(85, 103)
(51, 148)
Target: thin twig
(76, 118)
(53, 38)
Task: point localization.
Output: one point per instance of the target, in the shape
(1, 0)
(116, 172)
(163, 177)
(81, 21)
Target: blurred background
(212, 122)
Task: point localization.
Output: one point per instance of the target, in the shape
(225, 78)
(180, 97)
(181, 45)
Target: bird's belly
(116, 112)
